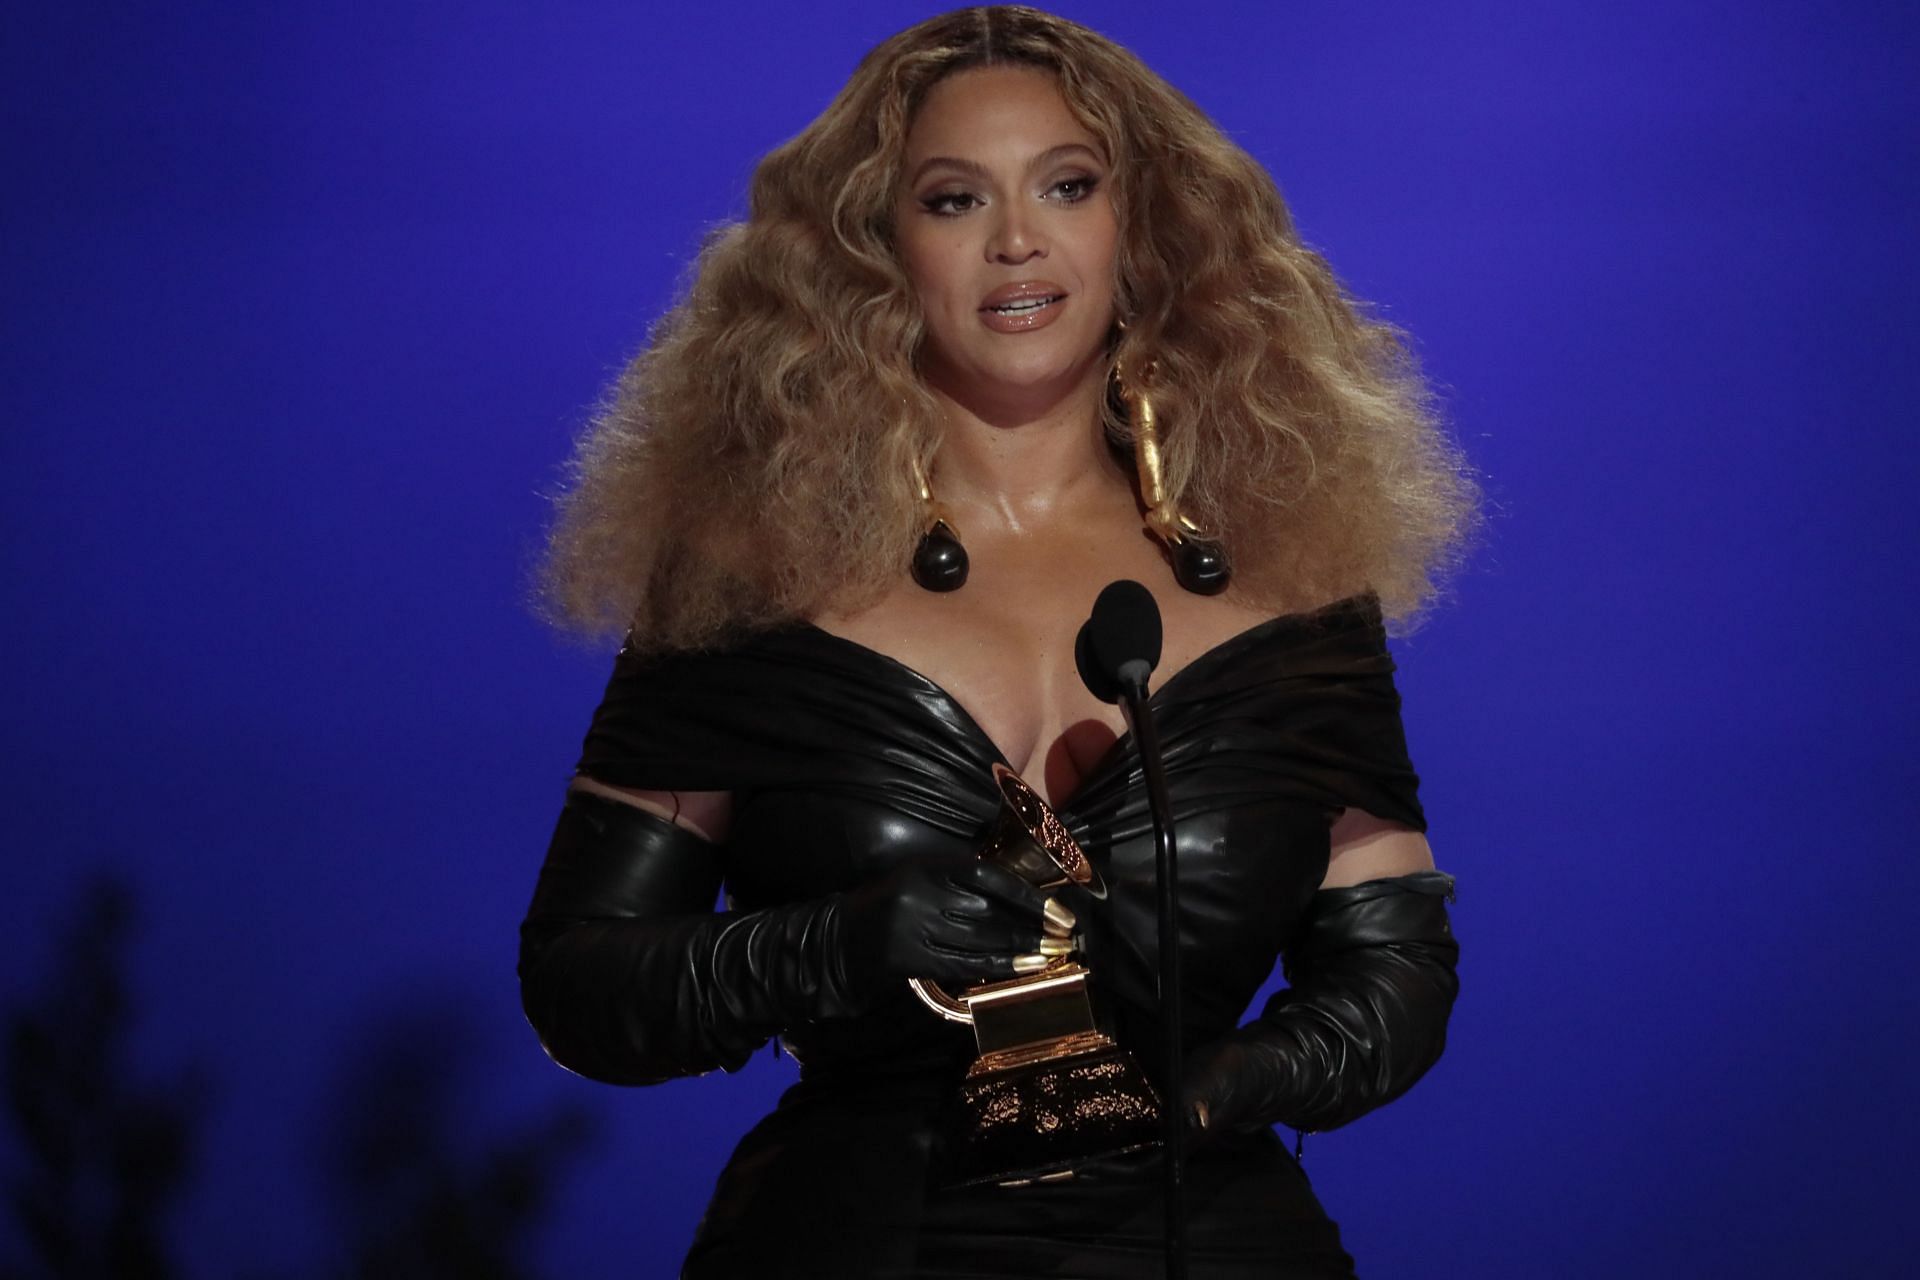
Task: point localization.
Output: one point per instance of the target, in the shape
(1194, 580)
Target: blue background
(303, 304)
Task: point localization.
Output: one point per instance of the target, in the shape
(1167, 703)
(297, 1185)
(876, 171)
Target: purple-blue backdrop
(302, 305)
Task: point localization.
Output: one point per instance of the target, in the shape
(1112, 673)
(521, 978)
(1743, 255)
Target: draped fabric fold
(1302, 706)
(792, 709)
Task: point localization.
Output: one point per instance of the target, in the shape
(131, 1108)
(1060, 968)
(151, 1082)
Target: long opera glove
(1371, 984)
(629, 976)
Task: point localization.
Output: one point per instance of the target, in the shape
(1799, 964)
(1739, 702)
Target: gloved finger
(1002, 887)
(967, 966)
(991, 925)
(983, 937)
(1208, 1097)
(963, 906)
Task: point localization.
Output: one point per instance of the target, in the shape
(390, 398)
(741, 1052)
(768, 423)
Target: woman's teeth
(1021, 308)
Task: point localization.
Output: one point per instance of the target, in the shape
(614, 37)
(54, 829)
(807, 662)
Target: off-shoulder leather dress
(842, 761)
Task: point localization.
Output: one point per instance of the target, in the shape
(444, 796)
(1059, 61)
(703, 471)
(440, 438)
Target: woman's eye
(949, 203)
(1074, 190)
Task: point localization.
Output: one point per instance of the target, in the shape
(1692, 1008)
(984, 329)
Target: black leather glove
(1371, 982)
(629, 975)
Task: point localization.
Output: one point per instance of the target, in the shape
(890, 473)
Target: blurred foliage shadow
(105, 1155)
(410, 1192)
(414, 1187)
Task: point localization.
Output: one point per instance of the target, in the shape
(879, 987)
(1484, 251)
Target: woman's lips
(1022, 307)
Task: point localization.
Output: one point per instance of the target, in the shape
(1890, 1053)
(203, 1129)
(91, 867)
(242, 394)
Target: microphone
(1119, 646)
(1117, 649)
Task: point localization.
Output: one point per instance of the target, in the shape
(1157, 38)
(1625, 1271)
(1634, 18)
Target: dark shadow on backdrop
(108, 1154)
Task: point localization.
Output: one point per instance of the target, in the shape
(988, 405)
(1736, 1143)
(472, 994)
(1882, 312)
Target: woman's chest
(1006, 658)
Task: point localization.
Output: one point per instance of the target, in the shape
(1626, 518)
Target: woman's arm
(629, 976)
(1370, 973)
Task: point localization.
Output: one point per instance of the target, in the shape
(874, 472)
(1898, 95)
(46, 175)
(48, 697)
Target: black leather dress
(842, 761)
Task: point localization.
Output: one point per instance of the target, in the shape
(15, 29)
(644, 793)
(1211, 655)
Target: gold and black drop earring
(1199, 562)
(939, 562)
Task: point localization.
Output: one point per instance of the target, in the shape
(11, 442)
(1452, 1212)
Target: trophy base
(1025, 1121)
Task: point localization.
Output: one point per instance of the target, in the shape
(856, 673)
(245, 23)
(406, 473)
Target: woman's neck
(1021, 470)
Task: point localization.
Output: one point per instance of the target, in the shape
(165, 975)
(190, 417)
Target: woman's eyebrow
(974, 169)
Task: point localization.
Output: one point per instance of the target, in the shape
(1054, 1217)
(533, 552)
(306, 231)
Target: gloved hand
(957, 922)
(629, 975)
(1371, 984)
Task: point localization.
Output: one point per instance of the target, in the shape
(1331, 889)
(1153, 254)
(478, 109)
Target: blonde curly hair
(753, 465)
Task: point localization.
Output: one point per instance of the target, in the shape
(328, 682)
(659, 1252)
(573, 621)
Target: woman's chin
(1038, 384)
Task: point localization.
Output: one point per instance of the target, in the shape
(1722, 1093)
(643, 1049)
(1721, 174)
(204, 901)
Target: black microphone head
(1124, 632)
(1101, 683)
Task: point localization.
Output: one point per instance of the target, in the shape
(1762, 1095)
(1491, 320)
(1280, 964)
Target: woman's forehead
(999, 110)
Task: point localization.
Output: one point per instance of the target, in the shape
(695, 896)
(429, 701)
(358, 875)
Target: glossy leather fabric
(842, 761)
(1370, 986)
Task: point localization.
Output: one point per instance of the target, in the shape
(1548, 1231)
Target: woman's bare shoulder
(1365, 847)
(707, 814)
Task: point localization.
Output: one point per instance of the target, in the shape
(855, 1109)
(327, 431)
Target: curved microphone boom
(1116, 651)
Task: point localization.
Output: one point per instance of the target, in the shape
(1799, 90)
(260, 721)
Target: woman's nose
(1017, 237)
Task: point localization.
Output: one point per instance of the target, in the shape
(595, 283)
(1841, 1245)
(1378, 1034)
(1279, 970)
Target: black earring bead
(940, 562)
(1200, 566)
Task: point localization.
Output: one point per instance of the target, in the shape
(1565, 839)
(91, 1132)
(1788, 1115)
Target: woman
(853, 503)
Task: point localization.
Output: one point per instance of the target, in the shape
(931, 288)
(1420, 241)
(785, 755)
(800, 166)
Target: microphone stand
(1133, 705)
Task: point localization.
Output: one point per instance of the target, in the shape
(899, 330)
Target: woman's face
(1007, 230)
